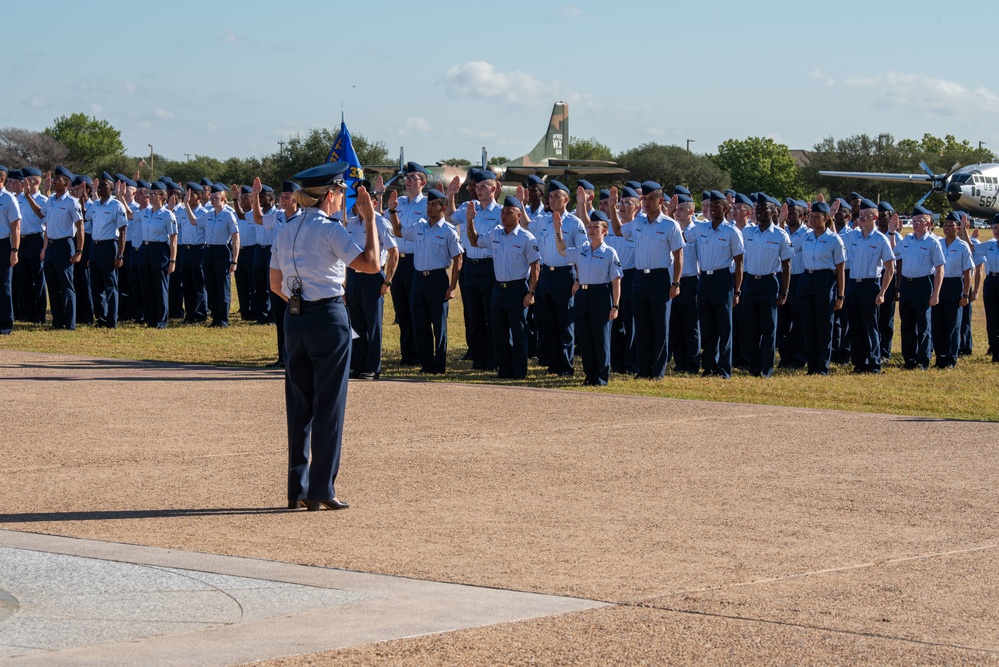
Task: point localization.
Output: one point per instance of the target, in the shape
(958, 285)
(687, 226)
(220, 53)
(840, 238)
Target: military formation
(628, 278)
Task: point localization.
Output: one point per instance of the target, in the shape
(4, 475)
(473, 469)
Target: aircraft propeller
(938, 181)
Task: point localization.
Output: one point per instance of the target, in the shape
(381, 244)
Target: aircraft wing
(875, 176)
(562, 170)
(382, 168)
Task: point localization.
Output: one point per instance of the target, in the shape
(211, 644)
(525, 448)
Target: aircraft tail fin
(555, 144)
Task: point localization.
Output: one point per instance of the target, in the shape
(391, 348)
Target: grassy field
(966, 392)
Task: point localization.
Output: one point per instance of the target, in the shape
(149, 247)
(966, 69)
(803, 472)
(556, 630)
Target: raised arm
(369, 261)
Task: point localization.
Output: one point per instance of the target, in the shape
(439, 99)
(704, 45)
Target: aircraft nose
(953, 192)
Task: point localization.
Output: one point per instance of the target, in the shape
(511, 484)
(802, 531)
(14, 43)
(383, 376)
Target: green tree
(457, 162)
(672, 165)
(588, 149)
(300, 153)
(90, 141)
(760, 164)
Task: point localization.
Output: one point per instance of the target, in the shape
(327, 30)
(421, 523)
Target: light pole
(280, 149)
(689, 141)
(152, 166)
(187, 156)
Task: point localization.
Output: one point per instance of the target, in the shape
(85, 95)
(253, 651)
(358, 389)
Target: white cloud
(95, 109)
(416, 124)
(230, 37)
(38, 102)
(480, 79)
(921, 92)
(657, 132)
(163, 113)
(569, 10)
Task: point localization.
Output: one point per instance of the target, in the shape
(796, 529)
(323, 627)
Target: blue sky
(444, 79)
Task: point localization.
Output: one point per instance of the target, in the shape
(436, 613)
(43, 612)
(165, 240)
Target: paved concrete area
(717, 533)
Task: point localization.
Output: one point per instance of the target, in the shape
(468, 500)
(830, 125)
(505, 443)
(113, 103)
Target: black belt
(481, 260)
(265, 247)
(863, 280)
(95, 242)
(814, 271)
(652, 270)
(993, 274)
(557, 268)
(189, 246)
(594, 285)
(711, 273)
(512, 283)
(909, 280)
(327, 300)
(24, 236)
(761, 276)
(61, 238)
(431, 272)
(154, 243)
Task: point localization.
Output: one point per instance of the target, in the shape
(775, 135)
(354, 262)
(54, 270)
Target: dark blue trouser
(623, 329)
(553, 310)
(990, 300)
(81, 285)
(739, 357)
(104, 282)
(967, 345)
(430, 311)
(759, 322)
(262, 284)
(650, 299)
(317, 357)
(6, 283)
(59, 278)
(365, 309)
(244, 283)
(177, 287)
(886, 320)
(217, 282)
(817, 304)
(790, 342)
(862, 314)
(684, 330)
(945, 322)
(402, 285)
(191, 263)
(841, 330)
(477, 296)
(153, 259)
(278, 307)
(31, 278)
(914, 312)
(714, 309)
(509, 324)
(590, 311)
(135, 308)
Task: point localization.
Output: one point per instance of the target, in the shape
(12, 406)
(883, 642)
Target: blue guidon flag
(343, 149)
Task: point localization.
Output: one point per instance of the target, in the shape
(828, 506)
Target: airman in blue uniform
(922, 269)
(841, 322)
(29, 272)
(790, 343)
(110, 220)
(955, 294)
(684, 327)
(888, 224)
(157, 256)
(977, 274)
(10, 238)
(411, 208)
(989, 251)
(821, 292)
(222, 239)
(243, 274)
(624, 357)
(82, 189)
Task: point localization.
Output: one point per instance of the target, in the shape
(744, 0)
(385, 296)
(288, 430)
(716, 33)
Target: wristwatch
(615, 307)
(738, 293)
(676, 284)
(840, 297)
(171, 261)
(13, 249)
(387, 282)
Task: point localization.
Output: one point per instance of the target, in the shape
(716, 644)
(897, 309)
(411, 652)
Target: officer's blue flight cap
(324, 175)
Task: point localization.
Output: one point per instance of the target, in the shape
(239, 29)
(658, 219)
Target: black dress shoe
(332, 504)
(295, 504)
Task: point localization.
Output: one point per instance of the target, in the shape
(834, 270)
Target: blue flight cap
(510, 200)
(158, 187)
(585, 184)
(290, 186)
(684, 199)
(121, 177)
(220, 187)
(844, 204)
(791, 202)
(266, 188)
(705, 194)
(15, 174)
(324, 175)
(176, 187)
(64, 172)
(600, 216)
(634, 185)
(105, 176)
(245, 190)
(363, 183)
(415, 168)
(4, 169)
(680, 190)
(954, 215)
(995, 219)
(730, 193)
(802, 203)
(743, 199)
(534, 179)
(629, 192)
(207, 182)
(165, 179)
(648, 187)
(755, 196)
(921, 210)
(31, 171)
(866, 204)
(142, 184)
(604, 194)
(554, 185)
(480, 175)
(886, 207)
(434, 194)
(856, 195)
(81, 179)
(195, 186)
(820, 207)
(714, 195)
(127, 181)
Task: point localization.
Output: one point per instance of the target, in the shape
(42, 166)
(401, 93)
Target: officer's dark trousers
(31, 278)
(623, 358)
(464, 308)
(6, 284)
(945, 322)
(714, 309)
(81, 285)
(841, 330)
(153, 262)
(790, 342)
(218, 284)
(650, 299)
(135, 308)
(553, 310)
(739, 357)
(59, 278)
(862, 315)
(262, 284)
(480, 285)
(317, 358)
(966, 345)
(591, 310)
(430, 318)
(365, 309)
(402, 285)
(191, 263)
(509, 323)
(759, 322)
(990, 300)
(104, 282)
(244, 283)
(684, 331)
(278, 307)
(817, 304)
(914, 312)
(177, 288)
(886, 320)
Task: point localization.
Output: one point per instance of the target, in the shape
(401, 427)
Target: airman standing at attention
(437, 247)
(841, 321)
(82, 189)
(978, 273)
(108, 251)
(872, 263)
(31, 252)
(888, 225)
(922, 267)
(790, 345)
(535, 186)
(822, 286)
(411, 208)
(989, 250)
(262, 257)
(684, 329)
(517, 264)
(248, 244)
(222, 253)
(955, 294)
(10, 238)
(743, 214)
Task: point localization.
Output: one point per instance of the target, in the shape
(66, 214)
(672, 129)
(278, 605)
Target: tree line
(91, 145)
